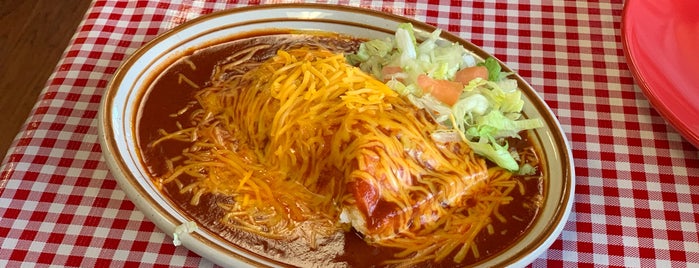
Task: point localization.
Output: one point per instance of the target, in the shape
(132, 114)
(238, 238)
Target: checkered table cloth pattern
(637, 192)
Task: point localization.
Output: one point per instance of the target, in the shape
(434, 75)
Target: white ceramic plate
(120, 104)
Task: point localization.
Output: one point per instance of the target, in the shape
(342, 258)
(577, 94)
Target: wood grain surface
(33, 36)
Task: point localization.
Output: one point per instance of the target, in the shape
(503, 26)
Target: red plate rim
(672, 102)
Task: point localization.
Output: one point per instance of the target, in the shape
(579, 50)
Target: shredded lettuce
(496, 153)
(487, 112)
(527, 169)
(493, 68)
(406, 42)
(184, 228)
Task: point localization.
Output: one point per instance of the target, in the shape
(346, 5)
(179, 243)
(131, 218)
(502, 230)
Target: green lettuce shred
(487, 112)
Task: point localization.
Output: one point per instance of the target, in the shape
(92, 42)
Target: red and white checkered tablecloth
(637, 192)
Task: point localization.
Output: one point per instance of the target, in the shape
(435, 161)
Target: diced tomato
(443, 90)
(467, 74)
(388, 72)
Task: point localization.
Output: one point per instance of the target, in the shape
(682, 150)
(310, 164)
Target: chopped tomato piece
(389, 72)
(443, 90)
(467, 74)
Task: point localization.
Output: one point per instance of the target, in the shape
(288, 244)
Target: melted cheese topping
(305, 140)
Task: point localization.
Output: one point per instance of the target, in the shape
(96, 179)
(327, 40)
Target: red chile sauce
(167, 96)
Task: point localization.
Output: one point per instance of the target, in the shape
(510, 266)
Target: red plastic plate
(661, 43)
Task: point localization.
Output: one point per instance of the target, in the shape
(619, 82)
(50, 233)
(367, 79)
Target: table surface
(637, 191)
(33, 35)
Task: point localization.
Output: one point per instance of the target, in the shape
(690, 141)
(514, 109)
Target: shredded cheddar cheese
(305, 140)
